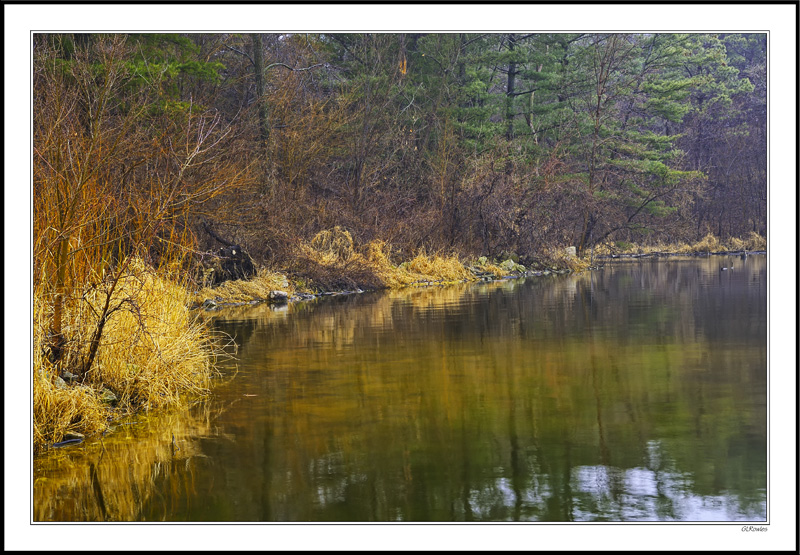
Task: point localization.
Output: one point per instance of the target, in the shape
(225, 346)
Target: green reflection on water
(637, 392)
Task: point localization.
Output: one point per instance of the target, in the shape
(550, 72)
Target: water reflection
(142, 460)
(637, 392)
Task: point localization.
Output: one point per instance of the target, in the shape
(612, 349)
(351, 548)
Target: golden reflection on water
(634, 393)
(145, 458)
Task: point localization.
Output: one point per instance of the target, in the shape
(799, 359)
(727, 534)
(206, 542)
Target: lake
(636, 392)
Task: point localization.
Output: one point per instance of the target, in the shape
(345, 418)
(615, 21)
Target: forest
(152, 151)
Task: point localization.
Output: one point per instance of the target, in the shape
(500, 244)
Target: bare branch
(245, 54)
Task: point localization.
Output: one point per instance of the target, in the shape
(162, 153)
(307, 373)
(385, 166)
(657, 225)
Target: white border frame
(778, 19)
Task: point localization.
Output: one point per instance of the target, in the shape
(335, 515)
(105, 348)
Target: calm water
(635, 392)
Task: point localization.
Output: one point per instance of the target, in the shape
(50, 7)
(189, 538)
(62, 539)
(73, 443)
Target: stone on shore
(107, 396)
(278, 296)
(511, 266)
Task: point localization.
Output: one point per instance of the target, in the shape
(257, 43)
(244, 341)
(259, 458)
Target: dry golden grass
(377, 255)
(332, 246)
(756, 242)
(559, 259)
(57, 412)
(438, 267)
(494, 269)
(422, 268)
(332, 260)
(736, 244)
(153, 354)
(245, 291)
(708, 244)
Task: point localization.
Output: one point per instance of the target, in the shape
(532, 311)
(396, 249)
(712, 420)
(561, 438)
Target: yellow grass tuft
(332, 246)
(57, 412)
(756, 242)
(377, 256)
(438, 267)
(331, 259)
(558, 258)
(494, 269)
(153, 353)
(709, 243)
(245, 291)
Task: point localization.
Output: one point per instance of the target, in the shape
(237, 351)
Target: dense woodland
(472, 143)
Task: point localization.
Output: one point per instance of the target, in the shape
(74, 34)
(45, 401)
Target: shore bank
(279, 288)
(657, 254)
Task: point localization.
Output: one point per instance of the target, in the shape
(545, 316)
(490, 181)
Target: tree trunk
(258, 69)
(56, 330)
(512, 73)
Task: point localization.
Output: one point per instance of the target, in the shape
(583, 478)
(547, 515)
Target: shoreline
(279, 297)
(659, 254)
(220, 302)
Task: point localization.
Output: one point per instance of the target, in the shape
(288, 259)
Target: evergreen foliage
(479, 142)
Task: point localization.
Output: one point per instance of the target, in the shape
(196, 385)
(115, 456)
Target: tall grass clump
(438, 267)
(558, 258)
(331, 260)
(494, 269)
(156, 352)
(756, 242)
(709, 243)
(423, 267)
(153, 354)
(256, 289)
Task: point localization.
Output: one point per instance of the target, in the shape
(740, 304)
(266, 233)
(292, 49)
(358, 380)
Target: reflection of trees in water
(529, 416)
(553, 400)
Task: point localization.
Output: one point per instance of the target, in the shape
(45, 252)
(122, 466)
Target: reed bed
(245, 291)
(438, 267)
(331, 259)
(154, 353)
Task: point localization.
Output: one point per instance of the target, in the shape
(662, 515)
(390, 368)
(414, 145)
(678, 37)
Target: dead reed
(153, 353)
(332, 260)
